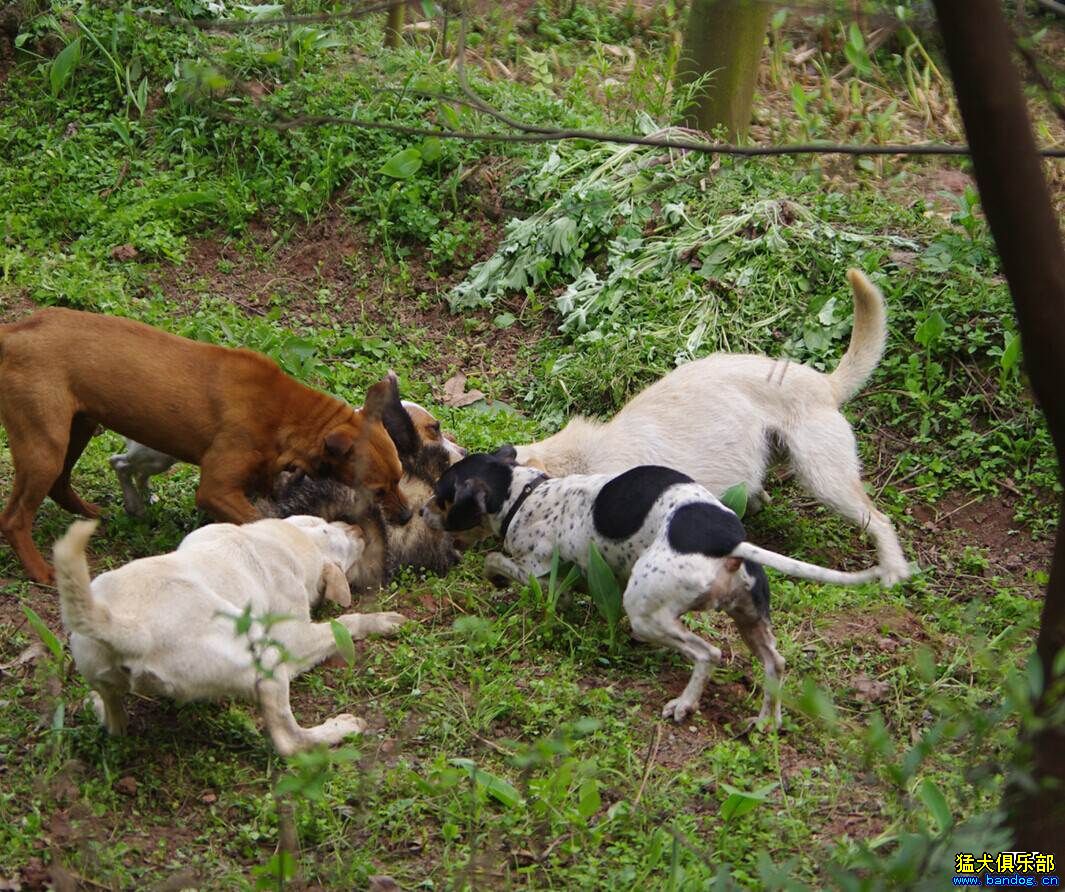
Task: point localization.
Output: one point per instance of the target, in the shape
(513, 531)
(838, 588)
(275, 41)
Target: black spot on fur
(622, 505)
(705, 528)
(474, 487)
(760, 589)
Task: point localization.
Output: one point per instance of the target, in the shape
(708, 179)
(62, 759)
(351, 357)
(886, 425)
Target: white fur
(163, 626)
(716, 420)
(661, 583)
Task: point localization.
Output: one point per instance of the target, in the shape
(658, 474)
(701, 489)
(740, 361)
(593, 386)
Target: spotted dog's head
(471, 491)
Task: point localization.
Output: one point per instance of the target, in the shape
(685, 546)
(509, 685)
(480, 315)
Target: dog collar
(526, 491)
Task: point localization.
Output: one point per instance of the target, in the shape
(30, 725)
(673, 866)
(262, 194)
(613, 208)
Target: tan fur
(165, 625)
(233, 412)
(718, 419)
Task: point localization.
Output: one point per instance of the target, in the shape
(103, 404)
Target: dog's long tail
(81, 612)
(802, 569)
(867, 338)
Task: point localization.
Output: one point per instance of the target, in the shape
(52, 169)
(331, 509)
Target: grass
(513, 745)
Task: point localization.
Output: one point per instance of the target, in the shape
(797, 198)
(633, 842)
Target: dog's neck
(521, 478)
(304, 435)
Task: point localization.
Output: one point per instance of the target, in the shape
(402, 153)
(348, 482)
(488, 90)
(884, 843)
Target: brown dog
(232, 412)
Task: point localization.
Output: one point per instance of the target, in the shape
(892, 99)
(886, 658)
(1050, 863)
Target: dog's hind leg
(38, 442)
(131, 494)
(81, 431)
(654, 618)
(825, 457)
(758, 634)
(287, 736)
(107, 703)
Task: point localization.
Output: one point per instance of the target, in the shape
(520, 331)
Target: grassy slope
(606, 795)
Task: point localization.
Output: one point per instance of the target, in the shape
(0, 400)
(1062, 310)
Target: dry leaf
(455, 393)
(870, 690)
(123, 252)
(127, 786)
(34, 652)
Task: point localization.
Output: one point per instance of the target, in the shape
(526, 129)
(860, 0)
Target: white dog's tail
(803, 570)
(867, 338)
(81, 612)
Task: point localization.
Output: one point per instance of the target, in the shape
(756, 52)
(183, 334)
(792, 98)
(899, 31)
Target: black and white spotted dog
(679, 548)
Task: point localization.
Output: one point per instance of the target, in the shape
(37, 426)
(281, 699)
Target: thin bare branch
(619, 138)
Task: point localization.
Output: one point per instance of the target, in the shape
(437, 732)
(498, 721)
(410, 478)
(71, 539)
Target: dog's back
(128, 376)
(168, 621)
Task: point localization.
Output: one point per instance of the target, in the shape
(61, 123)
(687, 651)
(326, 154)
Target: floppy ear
(379, 396)
(338, 443)
(334, 585)
(506, 453)
(469, 507)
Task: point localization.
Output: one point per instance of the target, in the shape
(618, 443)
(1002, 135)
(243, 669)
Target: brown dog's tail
(81, 612)
(867, 338)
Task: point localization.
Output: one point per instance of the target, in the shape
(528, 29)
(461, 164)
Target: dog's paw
(890, 576)
(678, 709)
(342, 725)
(382, 623)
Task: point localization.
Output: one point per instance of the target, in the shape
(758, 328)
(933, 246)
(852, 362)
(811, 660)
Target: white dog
(166, 625)
(717, 419)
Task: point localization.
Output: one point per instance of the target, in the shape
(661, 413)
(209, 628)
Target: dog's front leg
(501, 569)
(287, 736)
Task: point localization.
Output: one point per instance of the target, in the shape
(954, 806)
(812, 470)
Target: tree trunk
(724, 38)
(394, 26)
(1015, 199)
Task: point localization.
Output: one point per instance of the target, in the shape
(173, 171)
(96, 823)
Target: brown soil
(961, 520)
(329, 271)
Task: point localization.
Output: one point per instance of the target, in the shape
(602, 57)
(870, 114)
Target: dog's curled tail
(867, 338)
(81, 612)
(803, 570)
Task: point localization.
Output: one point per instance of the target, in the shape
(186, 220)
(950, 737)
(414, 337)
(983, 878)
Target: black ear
(469, 507)
(506, 453)
(397, 422)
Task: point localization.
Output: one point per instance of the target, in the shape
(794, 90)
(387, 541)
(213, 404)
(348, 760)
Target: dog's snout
(463, 451)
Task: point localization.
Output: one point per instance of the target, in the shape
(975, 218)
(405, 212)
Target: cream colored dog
(718, 419)
(166, 625)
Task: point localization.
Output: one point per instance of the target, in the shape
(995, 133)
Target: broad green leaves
(605, 590)
(407, 162)
(44, 633)
(735, 499)
(64, 65)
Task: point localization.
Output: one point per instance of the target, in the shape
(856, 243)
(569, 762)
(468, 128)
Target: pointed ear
(338, 443)
(506, 453)
(334, 585)
(379, 396)
(399, 424)
(470, 506)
